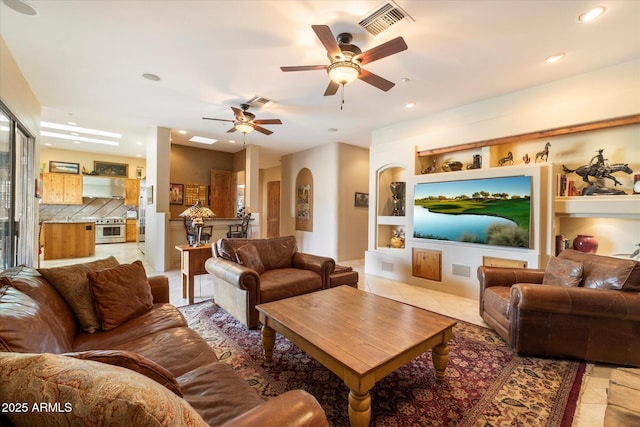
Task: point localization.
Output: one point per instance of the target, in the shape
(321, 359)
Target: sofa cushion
(72, 283)
(604, 272)
(274, 253)
(287, 282)
(249, 257)
(88, 393)
(134, 362)
(120, 293)
(563, 272)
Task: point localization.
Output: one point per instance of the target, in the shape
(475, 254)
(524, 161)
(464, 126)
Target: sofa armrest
(322, 265)
(603, 303)
(159, 289)
(235, 274)
(295, 408)
(505, 276)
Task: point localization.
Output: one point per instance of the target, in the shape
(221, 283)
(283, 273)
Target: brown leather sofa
(582, 306)
(160, 363)
(248, 272)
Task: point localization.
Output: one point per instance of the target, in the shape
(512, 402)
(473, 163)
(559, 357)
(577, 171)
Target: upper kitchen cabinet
(132, 192)
(61, 189)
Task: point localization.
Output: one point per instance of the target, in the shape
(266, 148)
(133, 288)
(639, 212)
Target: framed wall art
(361, 200)
(176, 194)
(110, 169)
(64, 167)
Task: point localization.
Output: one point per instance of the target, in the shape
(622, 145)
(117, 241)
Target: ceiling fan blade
(233, 129)
(238, 113)
(376, 80)
(219, 120)
(304, 68)
(267, 122)
(262, 130)
(385, 49)
(327, 39)
(332, 88)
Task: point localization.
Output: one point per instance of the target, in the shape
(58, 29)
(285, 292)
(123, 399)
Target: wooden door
(223, 193)
(273, 209)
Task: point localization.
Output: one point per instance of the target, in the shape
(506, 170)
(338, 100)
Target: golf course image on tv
(492, 211)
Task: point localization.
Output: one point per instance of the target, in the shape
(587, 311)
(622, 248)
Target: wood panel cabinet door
(223, 193)
(132, 192)
(273, 209)
(61, 189)
(131, 230)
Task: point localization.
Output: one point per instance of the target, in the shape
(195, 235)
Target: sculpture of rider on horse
(599, 169)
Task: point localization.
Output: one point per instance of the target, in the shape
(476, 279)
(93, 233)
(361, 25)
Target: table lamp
(197, 213)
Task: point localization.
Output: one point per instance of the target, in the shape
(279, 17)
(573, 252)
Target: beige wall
(353, 176)
(86, 160)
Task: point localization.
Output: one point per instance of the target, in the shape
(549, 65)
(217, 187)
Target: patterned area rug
(486, 384)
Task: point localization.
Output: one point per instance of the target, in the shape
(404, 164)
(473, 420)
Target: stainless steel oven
(111, 230)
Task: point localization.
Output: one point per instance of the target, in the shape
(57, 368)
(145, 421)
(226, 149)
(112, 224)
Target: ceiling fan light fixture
(343, 72)
(244, 127)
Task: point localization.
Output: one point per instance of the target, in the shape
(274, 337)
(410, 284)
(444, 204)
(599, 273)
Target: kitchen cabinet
(132, 192)
(132, 230)
(69, 239)
(61, 189)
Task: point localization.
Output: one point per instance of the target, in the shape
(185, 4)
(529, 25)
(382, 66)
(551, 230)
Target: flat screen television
(491, 211)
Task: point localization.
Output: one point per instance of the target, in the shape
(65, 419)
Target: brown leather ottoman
(343, 275)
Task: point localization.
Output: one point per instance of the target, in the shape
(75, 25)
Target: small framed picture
(176, 194)
(362, 200)
(149, 193)
(64, 167)
(110, 169)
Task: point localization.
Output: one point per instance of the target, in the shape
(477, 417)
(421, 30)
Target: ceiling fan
(347, 60)
(245, 121)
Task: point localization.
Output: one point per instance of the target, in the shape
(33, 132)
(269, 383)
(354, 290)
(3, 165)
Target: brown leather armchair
(598, 320)
(248, 272)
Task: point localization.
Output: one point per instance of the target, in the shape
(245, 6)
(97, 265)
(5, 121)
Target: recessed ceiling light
(409, 105)
(232, 141)
(203, 140)
(20, 7)
(138, 155)
(76, 142)
(152, 77)
(406, 80)
(554, 58)
(591, 14)
(333, 129)
(182, 132)
(72, 123)
(139, 142)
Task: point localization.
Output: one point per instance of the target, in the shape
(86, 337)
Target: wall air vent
(387, 15)
(259, 102)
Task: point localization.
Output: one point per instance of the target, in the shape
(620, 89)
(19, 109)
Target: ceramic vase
(585, 243)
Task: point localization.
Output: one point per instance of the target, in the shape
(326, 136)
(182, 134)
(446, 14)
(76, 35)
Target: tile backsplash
(90, 207)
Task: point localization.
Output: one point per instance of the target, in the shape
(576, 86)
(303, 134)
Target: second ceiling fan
(245, 121)
(347, 60)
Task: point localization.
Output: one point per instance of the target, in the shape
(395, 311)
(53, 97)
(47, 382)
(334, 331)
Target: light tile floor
(593, 398)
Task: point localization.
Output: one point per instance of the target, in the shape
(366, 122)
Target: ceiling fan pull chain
(342, 97)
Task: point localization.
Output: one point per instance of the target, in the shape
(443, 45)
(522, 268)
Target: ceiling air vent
(259, 102)
(387, 15)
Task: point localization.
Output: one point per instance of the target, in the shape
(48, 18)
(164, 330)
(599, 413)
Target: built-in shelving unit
(387, 223)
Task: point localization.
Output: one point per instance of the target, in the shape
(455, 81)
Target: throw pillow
(248, 256)
(72, 283)
(120, 293)
(563, 272)
(87, 393)
(134, 361)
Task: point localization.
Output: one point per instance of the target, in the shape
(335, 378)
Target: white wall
(602, 94)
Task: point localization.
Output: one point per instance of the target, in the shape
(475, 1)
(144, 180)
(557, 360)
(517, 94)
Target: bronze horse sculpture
(544, 154)
(586, 171)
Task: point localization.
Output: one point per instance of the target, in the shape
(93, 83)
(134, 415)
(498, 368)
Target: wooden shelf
(598, 206)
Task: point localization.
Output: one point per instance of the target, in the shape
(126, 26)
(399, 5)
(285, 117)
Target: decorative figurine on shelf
(507, 158)
(430, 169)
(526, 159)
(397, 238)
(599, 169)
(397, 198)
(544, 154)
(477, 162)
(453, 165)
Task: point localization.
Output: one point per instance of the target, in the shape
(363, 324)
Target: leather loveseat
(139, 365)
(582, 306)
(248, 272)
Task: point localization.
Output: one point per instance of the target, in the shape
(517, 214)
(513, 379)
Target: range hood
(103, 186)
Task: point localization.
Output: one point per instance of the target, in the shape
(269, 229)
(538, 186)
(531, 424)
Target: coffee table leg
(359, 409)
(268, 341)
(440, 356)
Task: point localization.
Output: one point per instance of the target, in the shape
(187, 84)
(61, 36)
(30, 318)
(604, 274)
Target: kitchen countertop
(70, 221)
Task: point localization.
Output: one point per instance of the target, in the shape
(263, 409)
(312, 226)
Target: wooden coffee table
(359, 336)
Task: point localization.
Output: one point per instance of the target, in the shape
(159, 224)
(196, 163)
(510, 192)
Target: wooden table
(359, 336)
(192, 263)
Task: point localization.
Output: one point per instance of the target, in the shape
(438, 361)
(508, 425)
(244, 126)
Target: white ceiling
(84, 61)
